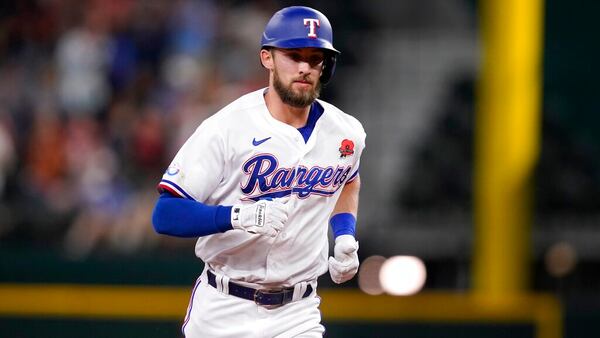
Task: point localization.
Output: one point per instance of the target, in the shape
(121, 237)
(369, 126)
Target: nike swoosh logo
(259, 142)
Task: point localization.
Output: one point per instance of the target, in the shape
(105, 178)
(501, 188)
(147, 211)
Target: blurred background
(96, 97)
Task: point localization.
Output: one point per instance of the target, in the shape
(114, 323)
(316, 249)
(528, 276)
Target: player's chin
(307, 96)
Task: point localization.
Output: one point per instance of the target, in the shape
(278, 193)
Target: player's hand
(265, 217)
(344, 263)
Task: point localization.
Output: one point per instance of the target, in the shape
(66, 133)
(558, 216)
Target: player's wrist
(349, 239)
(343, 224)
(223, 218)
(235, 217)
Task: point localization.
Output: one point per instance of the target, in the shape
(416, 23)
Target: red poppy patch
(347, 148)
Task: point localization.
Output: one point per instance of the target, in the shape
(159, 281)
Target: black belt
(260, 297)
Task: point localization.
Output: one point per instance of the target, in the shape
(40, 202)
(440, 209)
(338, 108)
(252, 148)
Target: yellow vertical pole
(506, 144)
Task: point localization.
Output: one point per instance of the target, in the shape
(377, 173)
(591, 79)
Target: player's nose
(303, 67)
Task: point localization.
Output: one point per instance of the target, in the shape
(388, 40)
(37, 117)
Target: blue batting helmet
(302, 27)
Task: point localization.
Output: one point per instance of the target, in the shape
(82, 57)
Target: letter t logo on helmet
(313, 24)
(288, 29)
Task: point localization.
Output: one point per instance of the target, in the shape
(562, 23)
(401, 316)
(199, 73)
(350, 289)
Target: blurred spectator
(44, 198)
(8, 162)
(45, 159)
(148, 142)
(94, 170)
(7, 149)
(130, 232)
(192, 28)
(82, 60)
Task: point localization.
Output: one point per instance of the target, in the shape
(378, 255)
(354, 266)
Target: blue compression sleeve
(182, 217)
(343, 224)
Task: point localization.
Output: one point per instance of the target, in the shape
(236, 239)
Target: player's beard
(298, 99)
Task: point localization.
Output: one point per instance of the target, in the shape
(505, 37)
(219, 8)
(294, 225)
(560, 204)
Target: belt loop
(299, 290)
(222, 283)
(225, 284)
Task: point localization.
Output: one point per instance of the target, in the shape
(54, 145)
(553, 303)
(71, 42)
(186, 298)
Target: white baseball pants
(212, 313)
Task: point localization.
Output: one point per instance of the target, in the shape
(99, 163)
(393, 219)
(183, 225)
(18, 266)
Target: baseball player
(259, 182)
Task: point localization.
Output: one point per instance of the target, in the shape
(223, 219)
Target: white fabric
(216, 166)
(225, 285)
(222, 283)
(299, 290)
(215, 314)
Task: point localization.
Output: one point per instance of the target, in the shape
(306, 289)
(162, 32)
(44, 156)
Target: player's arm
(344, 263)
(182, 217)
(347, 204)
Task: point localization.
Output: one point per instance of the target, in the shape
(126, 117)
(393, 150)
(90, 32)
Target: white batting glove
(264, 217)
(344, 263)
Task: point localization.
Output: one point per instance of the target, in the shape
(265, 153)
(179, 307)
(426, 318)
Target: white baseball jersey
(242, 154)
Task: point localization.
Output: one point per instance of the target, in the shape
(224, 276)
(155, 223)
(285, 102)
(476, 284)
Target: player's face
(296, 75)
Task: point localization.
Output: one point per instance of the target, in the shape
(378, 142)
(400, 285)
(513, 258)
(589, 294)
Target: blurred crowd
(96, 96)
(95, 99)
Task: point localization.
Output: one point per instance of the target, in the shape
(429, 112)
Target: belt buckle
(259, 292)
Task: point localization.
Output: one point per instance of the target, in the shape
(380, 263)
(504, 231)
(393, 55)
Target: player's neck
(294, 116)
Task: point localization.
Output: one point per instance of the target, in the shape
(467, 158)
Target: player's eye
(313, 60)
(296, 57)
(316, 59)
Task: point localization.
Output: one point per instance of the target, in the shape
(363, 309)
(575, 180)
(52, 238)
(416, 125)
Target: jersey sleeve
(359, 149)
(198, 166)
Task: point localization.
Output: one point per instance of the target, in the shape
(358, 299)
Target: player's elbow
(160, 218)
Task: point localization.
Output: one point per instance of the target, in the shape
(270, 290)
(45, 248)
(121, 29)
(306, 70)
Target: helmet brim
(300, 43)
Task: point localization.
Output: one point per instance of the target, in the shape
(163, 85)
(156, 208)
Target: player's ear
(266, 58)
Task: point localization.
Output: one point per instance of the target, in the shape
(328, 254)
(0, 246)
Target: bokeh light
(402, 275)
(368, 275)
(560, 259)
